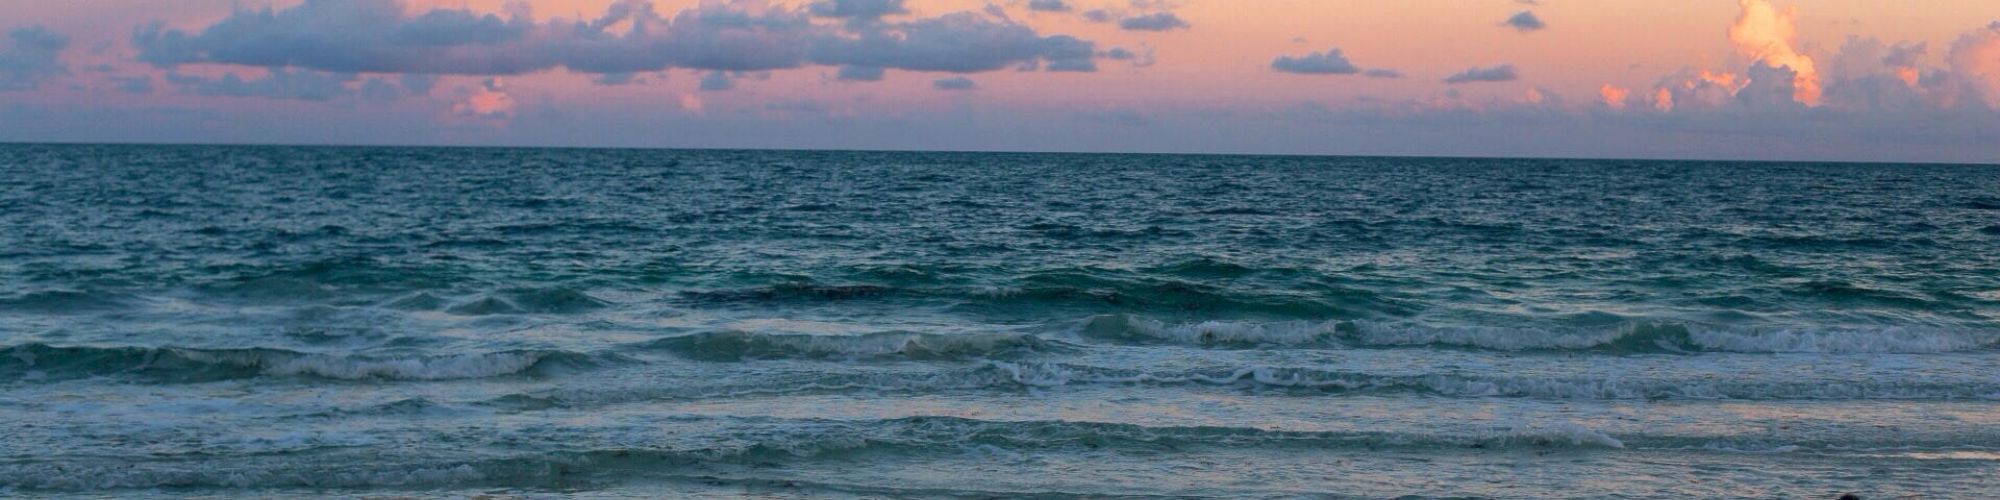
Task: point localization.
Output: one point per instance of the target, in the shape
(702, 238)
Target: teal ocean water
(306, 322)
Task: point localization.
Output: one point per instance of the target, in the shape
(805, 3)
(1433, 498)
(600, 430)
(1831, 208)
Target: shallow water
(299, 322)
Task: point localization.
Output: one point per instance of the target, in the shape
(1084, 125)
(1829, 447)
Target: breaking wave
(1629, 338)
(734, 345)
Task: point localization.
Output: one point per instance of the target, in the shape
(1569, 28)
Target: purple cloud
(377, 36)
(1501, 73)
(1158, 21)
(955, 83)
(30, 57)
(1330, 62)
(1525, 22)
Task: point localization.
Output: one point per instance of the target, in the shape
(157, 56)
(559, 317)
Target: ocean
(381, 322)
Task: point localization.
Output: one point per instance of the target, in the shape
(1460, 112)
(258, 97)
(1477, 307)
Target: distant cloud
(1139, 59)
(861, 9)
(30, 57)
(1865, 77)
(859, 74)
(1614, 96)
(1975, 62)
(378, 36)
(717, 81)
(803, 108)
(958, 43)
(488, 100)
(1048, 6)
(135, 85)
(1100, 16)
(1382, 73)
(1525, 22)
(418, 83)
(955, 83)
(614, 79)
(1765, 34)
(1501, 73)
(1157, 21)
(1330, 62)
(303, 85)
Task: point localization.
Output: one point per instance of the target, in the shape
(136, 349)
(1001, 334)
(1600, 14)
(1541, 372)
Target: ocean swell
(1631, 338)
(38, 362)
(735, 345)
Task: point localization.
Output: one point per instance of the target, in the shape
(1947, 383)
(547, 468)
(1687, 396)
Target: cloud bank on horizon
(1094, 75)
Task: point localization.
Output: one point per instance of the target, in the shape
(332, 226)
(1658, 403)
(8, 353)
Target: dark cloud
(348, 36)
(859, 74)
(717, 81)
(1158, 21)
(1525, 22)
(289, 84)
(1330, 62)
(1099, 16)
(1139, 59)
(615, 79)
(1049, 5)
(377, 89)
(1501, 73)
(419, 84)
(377, 36)
(801, 107)
(135, 85)
(955, 83)
(1905, 54)
(859, 9)
(30, 57)
(959, 43)
(1770, 88)
(304, 85)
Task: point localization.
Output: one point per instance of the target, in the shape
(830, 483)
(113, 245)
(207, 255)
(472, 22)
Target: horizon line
(1411, 156)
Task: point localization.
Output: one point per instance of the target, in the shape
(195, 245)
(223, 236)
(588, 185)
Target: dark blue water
(275, 321)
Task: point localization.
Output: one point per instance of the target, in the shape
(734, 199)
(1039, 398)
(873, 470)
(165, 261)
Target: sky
(1836, 80)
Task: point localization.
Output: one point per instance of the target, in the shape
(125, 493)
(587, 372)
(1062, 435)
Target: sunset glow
(1493, 77)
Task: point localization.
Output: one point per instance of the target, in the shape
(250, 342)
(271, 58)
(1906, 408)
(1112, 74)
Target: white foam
(1234, 332)
(1049, 375)
(1495, 338)
(415, 368)
(1670, 338)
(1839, 341)
(445, 368)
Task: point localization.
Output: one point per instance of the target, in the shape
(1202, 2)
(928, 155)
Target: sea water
(306, 322)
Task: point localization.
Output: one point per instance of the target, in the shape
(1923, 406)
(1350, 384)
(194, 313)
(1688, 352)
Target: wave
(752, 443)
(1314, 380)
(323, 278)
(790, 292)
(1180, 288)
(40, 362)
(1274, 381)
(733, 345)
(528, 301)
(1628, 338)
(65, 302)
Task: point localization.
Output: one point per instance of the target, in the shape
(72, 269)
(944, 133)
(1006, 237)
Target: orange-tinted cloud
(1614, 96)
(1976, 58)
(1764, 34)
(489, 100)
